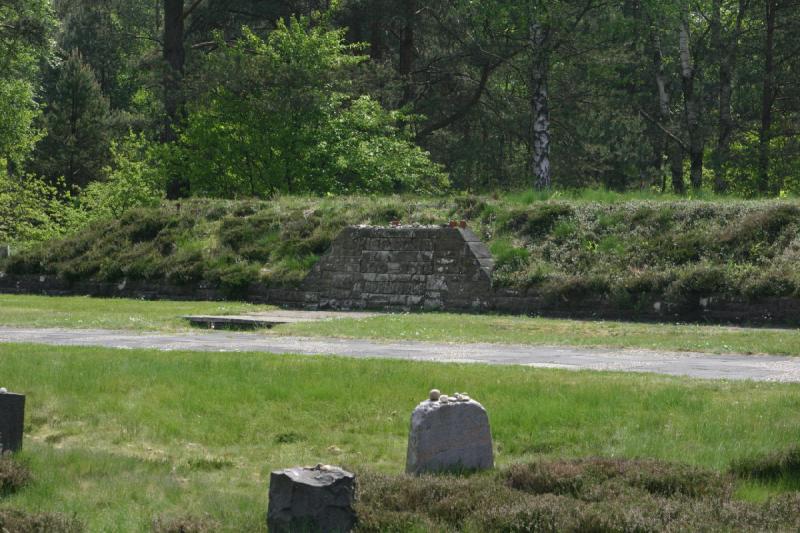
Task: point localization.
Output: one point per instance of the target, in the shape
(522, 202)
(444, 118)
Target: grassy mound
(675, 250)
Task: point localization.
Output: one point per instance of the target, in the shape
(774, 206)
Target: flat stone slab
(269, 319)
(318, 498)
(449, 435)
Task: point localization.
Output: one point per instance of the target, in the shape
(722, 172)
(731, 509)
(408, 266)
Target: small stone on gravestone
(449, 433)
(12, 419)
(318, 498)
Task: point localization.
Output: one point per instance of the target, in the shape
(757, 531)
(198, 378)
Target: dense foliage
(275, 117)
(258, 98)
(628, 252)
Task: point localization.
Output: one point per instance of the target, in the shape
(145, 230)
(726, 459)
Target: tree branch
(665, 130)
(191, 8)
(461, 111)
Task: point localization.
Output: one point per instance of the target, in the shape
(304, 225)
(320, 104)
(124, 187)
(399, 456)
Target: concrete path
(698, 365)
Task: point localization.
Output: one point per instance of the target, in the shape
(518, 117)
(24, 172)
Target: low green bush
(771, 466)
(537, 220)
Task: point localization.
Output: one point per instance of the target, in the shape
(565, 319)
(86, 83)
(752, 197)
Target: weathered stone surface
(403, 267)
(449, 434)
(312, 499)
(12, 418)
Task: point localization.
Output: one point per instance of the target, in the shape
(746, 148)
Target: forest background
(110, 105)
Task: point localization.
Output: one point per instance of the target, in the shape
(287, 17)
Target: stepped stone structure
(402, 267)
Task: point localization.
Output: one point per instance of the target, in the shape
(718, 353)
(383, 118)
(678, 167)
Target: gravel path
(698, 365)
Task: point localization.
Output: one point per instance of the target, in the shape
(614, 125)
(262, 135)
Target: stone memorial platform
(268, 319)
(402, 268)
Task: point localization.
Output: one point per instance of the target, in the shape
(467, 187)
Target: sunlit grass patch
(183, 435)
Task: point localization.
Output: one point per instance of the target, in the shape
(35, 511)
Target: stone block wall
(403, 267)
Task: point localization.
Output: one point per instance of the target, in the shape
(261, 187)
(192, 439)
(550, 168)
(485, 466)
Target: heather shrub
(13, 474)
(18, 521)
(576, 478)
(595, 494)
(184, 524)
(774, 465)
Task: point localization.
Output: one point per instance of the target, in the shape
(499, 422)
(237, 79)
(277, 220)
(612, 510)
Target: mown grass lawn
(118, 437)
(447, 327)
(118, 313)
(109, 313)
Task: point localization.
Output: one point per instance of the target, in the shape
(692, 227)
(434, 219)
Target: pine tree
(77, 123)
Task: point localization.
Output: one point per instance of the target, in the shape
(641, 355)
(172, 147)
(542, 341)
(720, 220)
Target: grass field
(109, 313)
(82, 312)
(118, 437)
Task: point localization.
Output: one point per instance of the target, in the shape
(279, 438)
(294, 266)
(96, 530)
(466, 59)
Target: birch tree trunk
(691, 107)
(672, 149)
(540, 111)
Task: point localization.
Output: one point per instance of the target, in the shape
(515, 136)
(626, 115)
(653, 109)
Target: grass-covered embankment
(164, 315)
(626, 252)
(117, 438)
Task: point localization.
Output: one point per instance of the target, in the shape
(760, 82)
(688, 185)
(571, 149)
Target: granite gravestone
(449, 433)
(313, 499)
(12, 418)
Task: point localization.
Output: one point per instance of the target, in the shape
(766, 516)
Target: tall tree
(25, 29)
(407, 52)
(767, 95)
(77, 123)
(725, 43)
(691, 104)
(538, 70)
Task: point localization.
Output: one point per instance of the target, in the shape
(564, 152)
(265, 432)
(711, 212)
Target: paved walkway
(698, 365)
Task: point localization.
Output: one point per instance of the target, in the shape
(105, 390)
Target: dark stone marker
(12, 417)
(311, 499)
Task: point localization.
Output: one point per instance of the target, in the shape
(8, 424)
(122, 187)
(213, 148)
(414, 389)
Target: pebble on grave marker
(449, 433)
(12, 419)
